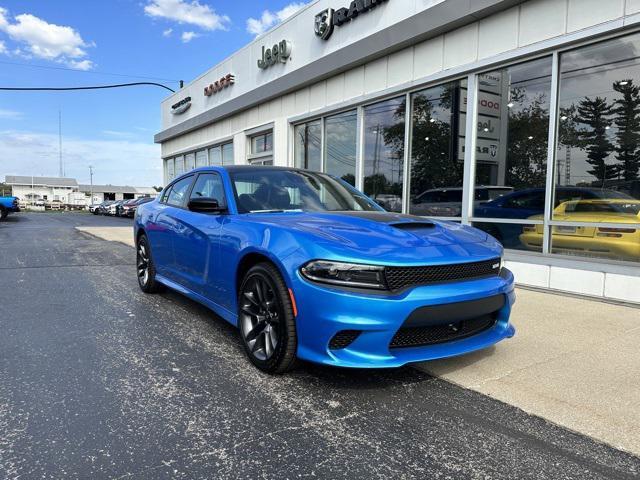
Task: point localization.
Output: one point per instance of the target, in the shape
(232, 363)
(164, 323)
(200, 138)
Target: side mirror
(205, 205)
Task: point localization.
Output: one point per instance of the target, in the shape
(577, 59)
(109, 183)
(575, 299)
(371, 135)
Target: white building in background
(467, 111)
(68, 191)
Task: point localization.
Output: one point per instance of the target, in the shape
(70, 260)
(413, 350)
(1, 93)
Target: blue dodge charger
(308, 267)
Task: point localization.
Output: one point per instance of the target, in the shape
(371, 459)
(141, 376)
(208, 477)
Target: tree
(527, 142)
(627, 118)
(595, 114)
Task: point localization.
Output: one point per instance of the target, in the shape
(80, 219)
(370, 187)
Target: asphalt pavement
(98, 380)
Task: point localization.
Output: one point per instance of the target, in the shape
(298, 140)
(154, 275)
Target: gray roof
(48, 181)
(117, 189)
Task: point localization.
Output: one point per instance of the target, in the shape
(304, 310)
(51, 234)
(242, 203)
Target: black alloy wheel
(145, 268)
(266, 320)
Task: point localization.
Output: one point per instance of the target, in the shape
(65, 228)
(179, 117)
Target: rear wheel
(266, 320)
(3, 213)
(145, 268)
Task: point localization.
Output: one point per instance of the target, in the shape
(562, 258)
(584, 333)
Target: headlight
(345, 274)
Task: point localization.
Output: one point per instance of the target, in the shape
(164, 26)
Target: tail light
(614, 232)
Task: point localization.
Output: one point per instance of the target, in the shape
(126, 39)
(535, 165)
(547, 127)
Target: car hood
(373, 233)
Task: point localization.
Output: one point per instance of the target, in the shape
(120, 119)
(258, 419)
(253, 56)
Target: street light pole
(91, 177)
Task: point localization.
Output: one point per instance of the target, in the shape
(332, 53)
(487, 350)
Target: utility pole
(91, 176)
(60, 142)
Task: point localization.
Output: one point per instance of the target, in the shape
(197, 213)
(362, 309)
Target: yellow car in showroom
(617, 243)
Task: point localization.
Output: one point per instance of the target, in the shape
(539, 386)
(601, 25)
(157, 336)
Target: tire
(266, 320)
(3, 213)
(145, 269)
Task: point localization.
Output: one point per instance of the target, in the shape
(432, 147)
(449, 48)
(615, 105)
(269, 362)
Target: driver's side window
(179, 191)
(209, 185)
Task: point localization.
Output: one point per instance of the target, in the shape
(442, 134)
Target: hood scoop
(412, 226)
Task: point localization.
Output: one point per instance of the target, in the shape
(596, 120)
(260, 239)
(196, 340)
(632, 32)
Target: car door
(162, 226)
(196, 238)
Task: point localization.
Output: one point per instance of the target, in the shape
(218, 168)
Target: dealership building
(521, 118)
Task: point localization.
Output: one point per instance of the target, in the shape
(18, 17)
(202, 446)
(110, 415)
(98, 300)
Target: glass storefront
(437, 150)
(308, 145)
(218, 155)
(383, 157)
(341, 132)
(339, 145)
(598, 151)
(511, 149)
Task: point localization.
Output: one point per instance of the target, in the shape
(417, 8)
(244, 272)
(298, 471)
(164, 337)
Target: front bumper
(324, 311)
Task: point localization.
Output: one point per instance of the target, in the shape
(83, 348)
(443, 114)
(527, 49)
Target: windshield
(267, 190)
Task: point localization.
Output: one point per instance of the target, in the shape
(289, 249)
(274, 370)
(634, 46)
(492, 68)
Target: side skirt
(229, 316)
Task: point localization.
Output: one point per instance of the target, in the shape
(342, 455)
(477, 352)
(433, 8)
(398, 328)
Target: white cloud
(167, 32)
(35, 153)
(186, 37)
(3, 18)
(3, 47)
(46, 40)
(81, 65)
(10, 114)
(190, 13)
(258, 26)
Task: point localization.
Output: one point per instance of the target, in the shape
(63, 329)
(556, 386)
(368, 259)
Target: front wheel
(145, 267)
(266, 320)
(3, 214)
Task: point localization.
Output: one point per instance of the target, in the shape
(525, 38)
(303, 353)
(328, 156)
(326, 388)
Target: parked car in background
(103, 207)
(527, 203)
(93, 207)
(130, 208)
(615, 243)
(447, 202)
(112, 209)
(308, 267)
(8, 205)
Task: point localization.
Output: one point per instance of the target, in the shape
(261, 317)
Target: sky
(75, 43)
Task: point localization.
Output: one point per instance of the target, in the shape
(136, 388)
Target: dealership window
(227, 154)
(437, 150)
(513, 107)
(170, 170)
(384, 152)
(189, 162)
(261, 149)
(221, 154)
(597, 164)
(308, 145)
(201, 158)
(338, 145)
(341, 132)
(179, 165)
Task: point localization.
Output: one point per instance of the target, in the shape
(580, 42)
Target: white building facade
(519, 117)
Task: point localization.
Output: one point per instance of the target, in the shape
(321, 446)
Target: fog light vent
(343, 339)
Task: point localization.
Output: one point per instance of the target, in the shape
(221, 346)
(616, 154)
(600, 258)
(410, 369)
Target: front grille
(430, 335)
(399, 278)
(343, 339)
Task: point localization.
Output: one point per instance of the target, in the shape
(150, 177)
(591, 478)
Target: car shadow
(307, 372)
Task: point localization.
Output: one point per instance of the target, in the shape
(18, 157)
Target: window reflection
(599, 129)
(201, 158)
(598, 151)
(437, 154)
(512, 147)
(190, 161)
(307, 147)
(340, 145)
(384, 152)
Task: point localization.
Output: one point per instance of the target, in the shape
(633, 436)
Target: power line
(94, 72)
(93, 87)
